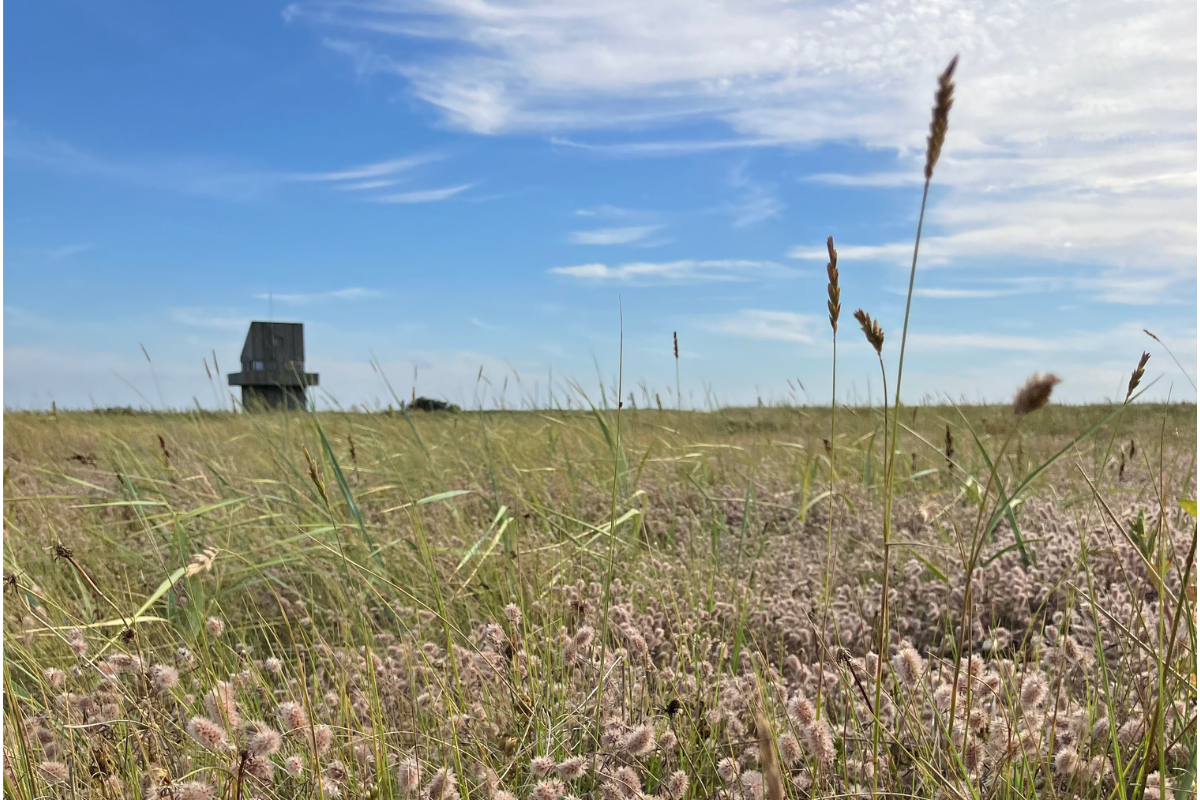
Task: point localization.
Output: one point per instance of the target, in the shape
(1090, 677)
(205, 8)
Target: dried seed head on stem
(871, 330)
(1136, 377)
(1035, 393)
(835, 292)
(944, 99)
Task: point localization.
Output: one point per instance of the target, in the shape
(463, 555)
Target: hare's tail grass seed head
(944, 99)
(1035, 393)
(1136, 377)
(835, 292)
(871, 329)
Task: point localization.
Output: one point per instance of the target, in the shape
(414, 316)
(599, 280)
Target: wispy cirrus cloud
(756, 201)
(1060, 144)
(763, 325)
(215, 178)
(377, 170)
(423, 195)
(668, 272)
(349, 293)
(607, 236)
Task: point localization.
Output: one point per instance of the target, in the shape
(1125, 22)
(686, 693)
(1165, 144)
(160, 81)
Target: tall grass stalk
(937, 136)
(834, 306)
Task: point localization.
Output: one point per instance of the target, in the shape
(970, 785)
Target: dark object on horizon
(273, 373)
(426, 404)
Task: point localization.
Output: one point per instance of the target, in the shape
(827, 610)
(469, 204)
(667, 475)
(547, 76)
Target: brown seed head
(1136, 377)
(1035, 393)
(675, 339)
(772, 774)
(871, 330)
(944, 99)
(835, 292)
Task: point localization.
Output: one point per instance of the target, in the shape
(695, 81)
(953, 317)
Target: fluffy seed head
(1066, 763)
(909, 666)
(320, 738)
(442, 786)
(1033, 691)
(503, 794)
(582, 639)
(409, 775)
(801, 710)
(820, 742)
(943, 100)
(77, 643)
(676, 784)
(265, 741)
(628, 782)
(668, 741)
(639, 741)
(273, 666)
(221, 706)
(789, 749)
(573, 768)
(54, 772)
(727, 771)
(294, 766)
(293, 716)
(752, 785)
(207, 733)
(54, 677)
(214, 626)
(164, 677)
(512, 613)
(548, 789)
(260, 768)
(1035, 393)
(193, 790)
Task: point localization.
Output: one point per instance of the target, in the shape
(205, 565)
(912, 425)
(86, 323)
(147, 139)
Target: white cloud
(349, 293)
(628, 235)
(683, 271)
(66, 251)
(774, 326)
(935, 293)
(423, 195)
(210, 318)
(1126, 337)
(757, 202)
(207, 177)
(1073, 135)
(379, 169)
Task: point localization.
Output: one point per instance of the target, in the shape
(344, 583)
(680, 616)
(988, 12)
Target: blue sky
(446, 186)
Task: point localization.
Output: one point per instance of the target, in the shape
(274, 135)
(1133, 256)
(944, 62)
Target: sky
(489, 200)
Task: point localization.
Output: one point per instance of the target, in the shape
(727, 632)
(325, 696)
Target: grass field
(746, 604)
(386, 605)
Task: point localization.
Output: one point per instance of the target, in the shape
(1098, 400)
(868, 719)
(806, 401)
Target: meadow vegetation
(613, 603)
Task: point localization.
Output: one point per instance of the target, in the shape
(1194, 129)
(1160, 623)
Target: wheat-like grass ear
(944, 99)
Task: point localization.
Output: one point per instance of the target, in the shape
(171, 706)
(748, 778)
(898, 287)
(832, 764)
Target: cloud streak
(673, 272)
(349, 293)
(769, 326)
(423, 195)
(610, 236)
